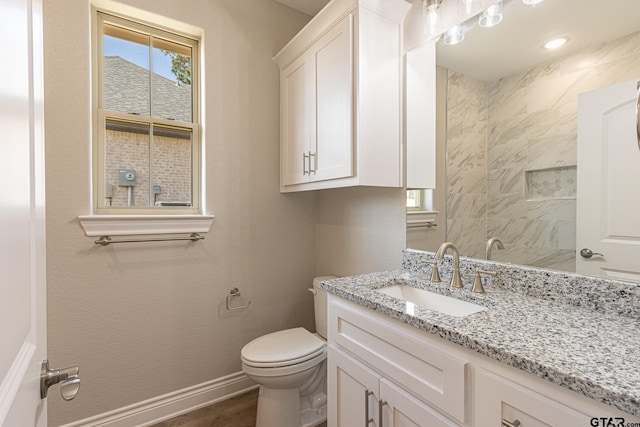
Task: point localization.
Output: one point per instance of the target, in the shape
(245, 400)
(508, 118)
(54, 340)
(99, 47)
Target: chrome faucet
(456, 282)
(490, 243)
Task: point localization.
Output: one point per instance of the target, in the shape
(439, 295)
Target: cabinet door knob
(507, 423)
(304, 164)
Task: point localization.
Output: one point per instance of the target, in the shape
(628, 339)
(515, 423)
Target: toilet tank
(320, 305)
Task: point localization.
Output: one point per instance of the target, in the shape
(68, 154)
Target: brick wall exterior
(171, 167)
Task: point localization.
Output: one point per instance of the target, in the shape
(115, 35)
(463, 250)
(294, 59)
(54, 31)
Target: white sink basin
(431, 301)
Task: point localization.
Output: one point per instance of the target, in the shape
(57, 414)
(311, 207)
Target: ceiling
(516, 43)
(308, 7)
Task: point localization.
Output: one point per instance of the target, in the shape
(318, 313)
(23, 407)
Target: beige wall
(146, 319)
(360, 230)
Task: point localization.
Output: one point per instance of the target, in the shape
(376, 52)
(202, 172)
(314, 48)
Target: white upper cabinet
(341, 98)
(421, 116)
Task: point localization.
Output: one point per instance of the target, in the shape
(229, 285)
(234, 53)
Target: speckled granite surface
(581, 333)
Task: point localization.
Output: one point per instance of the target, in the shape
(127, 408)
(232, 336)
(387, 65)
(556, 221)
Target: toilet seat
(283, 348)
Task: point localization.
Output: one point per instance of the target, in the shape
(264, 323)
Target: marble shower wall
(467, 164)
(530, 127)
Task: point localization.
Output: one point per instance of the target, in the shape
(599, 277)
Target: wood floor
(239, 411)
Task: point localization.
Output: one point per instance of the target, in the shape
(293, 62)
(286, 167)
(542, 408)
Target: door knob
(69, 379)
(588, 253)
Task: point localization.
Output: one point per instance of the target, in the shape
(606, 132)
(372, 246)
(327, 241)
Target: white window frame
(99, 116)
(423, 198)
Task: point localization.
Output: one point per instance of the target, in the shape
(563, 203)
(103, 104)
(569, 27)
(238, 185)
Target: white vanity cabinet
(406, 382)
(360, 394)
(382, 369)
(341, 98)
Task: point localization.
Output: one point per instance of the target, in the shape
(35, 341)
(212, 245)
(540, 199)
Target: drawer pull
(507, 423)
(381, 404)
(367, 420)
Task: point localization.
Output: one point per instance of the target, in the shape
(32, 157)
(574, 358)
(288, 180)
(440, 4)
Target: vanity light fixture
(492, 16)
(555, 43)
(455, 34)
(467, 6)
(430, 11)
(532, 2)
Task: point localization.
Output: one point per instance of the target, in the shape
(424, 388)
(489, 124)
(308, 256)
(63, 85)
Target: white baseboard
(172, 404)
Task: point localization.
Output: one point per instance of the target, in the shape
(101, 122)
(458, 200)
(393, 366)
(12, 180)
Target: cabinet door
(333, 75)
(400, 409)
(498, 399)
(295, 119)
(352, 391)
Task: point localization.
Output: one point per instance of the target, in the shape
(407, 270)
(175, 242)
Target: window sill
(126, 225)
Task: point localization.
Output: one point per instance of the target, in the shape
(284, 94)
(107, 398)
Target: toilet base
(313, 417)
(280, 407)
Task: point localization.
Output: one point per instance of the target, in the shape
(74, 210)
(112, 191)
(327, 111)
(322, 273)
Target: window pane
(413, 198)
(126, 70)
(172, 166)
(126, 164)
(171, 97)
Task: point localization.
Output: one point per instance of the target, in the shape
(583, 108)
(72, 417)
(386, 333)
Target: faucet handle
(435, 274)
(477, 283)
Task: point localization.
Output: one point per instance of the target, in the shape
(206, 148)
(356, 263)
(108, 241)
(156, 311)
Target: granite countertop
(593, 352)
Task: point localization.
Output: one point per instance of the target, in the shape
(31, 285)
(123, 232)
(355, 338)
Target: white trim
(13, 380)
(121, 225)
(157, 409)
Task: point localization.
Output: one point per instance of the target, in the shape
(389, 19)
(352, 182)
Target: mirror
(507, 134)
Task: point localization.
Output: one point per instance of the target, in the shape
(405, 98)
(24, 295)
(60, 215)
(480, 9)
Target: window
(420, 200)
(147, 140)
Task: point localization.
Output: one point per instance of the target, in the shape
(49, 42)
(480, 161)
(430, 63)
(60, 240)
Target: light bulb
(455, 34)
(556, 43)
(492, 16)
(467, 6)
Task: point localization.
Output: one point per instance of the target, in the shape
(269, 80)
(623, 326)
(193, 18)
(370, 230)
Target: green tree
(180, 66)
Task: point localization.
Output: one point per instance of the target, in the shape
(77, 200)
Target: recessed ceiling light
(554, 44)
(532, 2)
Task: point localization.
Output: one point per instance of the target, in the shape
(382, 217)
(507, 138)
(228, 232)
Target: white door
(22, 249)
(608, 178)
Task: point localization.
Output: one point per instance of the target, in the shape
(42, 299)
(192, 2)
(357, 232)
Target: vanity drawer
(499, 399)
(400, 354)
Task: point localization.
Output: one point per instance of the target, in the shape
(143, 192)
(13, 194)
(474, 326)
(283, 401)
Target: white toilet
(291, 368)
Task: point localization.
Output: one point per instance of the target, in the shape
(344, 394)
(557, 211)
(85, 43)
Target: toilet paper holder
(234, 292)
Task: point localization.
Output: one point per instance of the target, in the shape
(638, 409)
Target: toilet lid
(282, 347)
